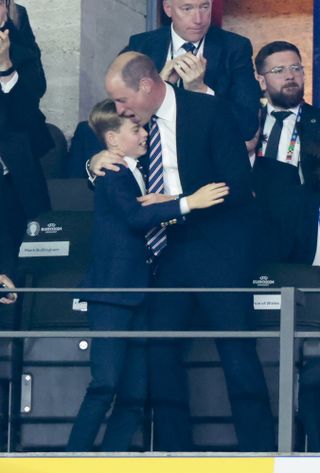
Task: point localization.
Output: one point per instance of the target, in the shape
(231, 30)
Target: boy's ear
(111, 139)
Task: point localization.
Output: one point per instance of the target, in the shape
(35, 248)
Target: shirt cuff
(210, 91)
(91, 177)
(184, 207)
(8, 86)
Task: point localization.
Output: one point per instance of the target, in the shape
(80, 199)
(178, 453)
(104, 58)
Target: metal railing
(287, 335)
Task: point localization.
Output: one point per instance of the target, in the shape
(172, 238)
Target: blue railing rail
(287, 334)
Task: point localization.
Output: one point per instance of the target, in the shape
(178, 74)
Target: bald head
(131, 67)
(135, 86)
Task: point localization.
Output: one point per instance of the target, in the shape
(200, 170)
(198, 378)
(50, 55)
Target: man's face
(130, 103)
(285, 88)
(190, 18)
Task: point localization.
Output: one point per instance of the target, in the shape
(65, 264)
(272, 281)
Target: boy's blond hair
(104, 117)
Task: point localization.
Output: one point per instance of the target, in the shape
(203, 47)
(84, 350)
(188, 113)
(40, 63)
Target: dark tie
(189, 47)
(156, 237)
(141, 169)
(274, 137)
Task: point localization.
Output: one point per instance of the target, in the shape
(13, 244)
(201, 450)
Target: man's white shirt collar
(167, 110)
(177, 42)
(271, 108)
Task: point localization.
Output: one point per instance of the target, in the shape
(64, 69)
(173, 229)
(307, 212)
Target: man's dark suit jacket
(270, 175)
(292, 224)
(229, 69)
(210, 149)
(119, 250)
(7, 257)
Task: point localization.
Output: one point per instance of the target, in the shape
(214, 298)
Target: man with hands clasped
(204, 58)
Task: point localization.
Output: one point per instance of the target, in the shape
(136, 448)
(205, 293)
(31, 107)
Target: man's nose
(197, 16)
(120, 108)
(288, 73)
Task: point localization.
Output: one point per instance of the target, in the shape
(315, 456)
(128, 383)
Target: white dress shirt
(167, 114)
(176, 50)
(286, 134)
(132, 165)
(6, 87)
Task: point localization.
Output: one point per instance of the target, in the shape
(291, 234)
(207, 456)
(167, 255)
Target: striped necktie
(156, 237)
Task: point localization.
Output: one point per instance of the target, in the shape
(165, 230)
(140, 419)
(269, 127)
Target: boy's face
(131, 139)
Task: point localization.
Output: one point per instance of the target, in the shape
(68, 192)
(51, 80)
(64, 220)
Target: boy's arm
(120, 191)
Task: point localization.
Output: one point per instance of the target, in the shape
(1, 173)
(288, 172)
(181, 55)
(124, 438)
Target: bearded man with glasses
(290, 127)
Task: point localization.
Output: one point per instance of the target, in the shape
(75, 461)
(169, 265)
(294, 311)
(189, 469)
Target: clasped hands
(189, 68)
(5, 61)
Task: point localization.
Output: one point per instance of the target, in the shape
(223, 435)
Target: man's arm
(244, 93)
(229, 154)
(119, 191)
(104, 160)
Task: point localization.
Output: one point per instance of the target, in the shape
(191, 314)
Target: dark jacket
(119, 250)
(229, 69)
(24, 137)
(270, 175)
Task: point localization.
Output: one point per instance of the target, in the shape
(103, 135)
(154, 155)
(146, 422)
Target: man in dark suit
(216, 248)
(121, 223)
(294, 155)
(23, 134)
(220, 63)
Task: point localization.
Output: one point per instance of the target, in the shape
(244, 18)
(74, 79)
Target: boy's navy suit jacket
(119, 251)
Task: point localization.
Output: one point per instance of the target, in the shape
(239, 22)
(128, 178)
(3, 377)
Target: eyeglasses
(280, 70)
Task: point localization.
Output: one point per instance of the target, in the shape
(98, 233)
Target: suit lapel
(161, 47)
(309, 133)
(263, 116)
(212, 51)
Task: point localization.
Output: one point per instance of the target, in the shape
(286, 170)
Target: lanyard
(195, 52)
(293, 141)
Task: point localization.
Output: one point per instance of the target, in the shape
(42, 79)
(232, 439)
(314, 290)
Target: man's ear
(262, 82)
(145, 85)
(167, 8)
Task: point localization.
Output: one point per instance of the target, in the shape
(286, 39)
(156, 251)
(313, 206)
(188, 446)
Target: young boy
(120, 260)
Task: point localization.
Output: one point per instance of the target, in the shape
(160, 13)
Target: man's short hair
(271, 48)
(104, 117)
(137, 68)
